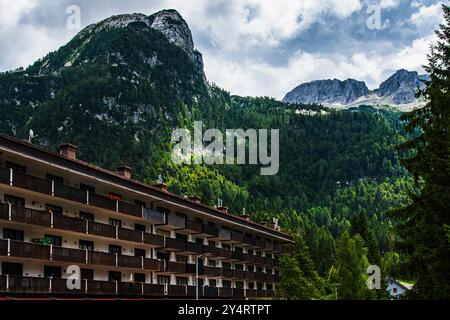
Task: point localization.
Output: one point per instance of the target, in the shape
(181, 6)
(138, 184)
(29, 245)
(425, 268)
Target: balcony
(239, 274)
(270, 262)
(29, 250)
(156, 290)
(248, 258)
(237, 237)
(154, 217)
(129, 262)
(211, 271)
(130, 209)
(175, 244)
(270, 293)
(250, 276)
(152, 264)
(102, 258)
(3, 248)
(27, 216)
(227, 273)
(5, 175)
(238, 294)
(270, 278)
(24, 285)
(276, 248)
(211, 250)
(59, 286)
(176, 267)
(238, 256)
(70, 193)
(225, 293)
(104, 288)
(211, 292)
(225, 254)
(175, 222)
(130, 235)
(250, 293)
(225, 235)
(261, 277)
(259, 260)
(260, 243)
(102, 202)
(24, 181)
(130, 289)
(154, 240)
(194, 227)
(211, 231)
(268, 246)
(261, 293)
(191, 291)
(102, 230)
(69, 255)
(69, 224)
(177, 291)
(194, 248)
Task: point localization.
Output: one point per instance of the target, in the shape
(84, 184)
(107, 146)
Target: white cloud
(427, 16)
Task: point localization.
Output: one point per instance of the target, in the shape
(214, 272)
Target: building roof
(43, 154)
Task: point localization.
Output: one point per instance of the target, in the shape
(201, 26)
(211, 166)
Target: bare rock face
(328, 91)
(401, 87)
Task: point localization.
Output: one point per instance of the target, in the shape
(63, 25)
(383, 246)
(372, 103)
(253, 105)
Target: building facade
(61, 218)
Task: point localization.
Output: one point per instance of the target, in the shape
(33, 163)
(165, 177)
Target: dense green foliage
(422, 226)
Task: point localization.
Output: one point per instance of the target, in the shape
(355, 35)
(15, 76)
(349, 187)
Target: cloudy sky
(252, 47)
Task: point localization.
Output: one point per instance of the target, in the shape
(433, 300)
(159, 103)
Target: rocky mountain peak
(401, 86)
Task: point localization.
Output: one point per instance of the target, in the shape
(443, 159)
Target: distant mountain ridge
(399, 90)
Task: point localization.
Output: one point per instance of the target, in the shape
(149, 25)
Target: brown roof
(147, 186)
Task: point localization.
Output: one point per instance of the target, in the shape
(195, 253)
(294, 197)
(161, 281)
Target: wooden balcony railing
(259, 260)
(259, 276)
(194, 226)
(69, 255)
(211, 271)
(154, 239)
(175, 221)
(194, 247)
(69, 193)
(270, 278)
(250, 293)
(211, 250)
(130, 289)
(276, 247)
(249, 240)
(155, 265)
(3, 248)
(102, 230)
(175, 244)
(130, 209)
(25, 285)
(24, 215)
(102, 258)
(227, 273)
(224, 234)
(270, 262)
(239, 274)
(104, 288)
(24, 181)
(177, 291)
(157, 290)
(225, 293)
(237, 237)
(211, 292)
(69, 224)
(260, 243)
(59, 286)
(130, 262)
(29, 250)
(249, 258)
(102, 202)
(238, 294)
(5, 175)
(154, 217)
(176, 267)
(250, 276)
(130, 235)
(268, 246)
(210, 230)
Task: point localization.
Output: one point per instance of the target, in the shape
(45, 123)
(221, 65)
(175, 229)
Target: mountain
(328, 91)
(399, 91)
(121, 86)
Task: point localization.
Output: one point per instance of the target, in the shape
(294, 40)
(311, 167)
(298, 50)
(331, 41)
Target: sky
(251, 47)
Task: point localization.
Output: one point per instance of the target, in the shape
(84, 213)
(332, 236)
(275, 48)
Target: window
(53, 240)
(212, 283)
(52, 272)
(239, 267)
(86, 187)
(181, 259)
(259, 286)
(226, 284)
(182, 281)
(211, 243)
(115, 249)
(89, 217)
(115, 276)
(16, 167)
(163, 280)
(139, 227)
(57, 211)
(57, 179)
(15, 235)
(13, 269)
(139, 277)
(226, 265)
(87, 274)
(115, 222)
(139, 253)
(212, 263)
(226, 246)
(15, 201)
(239, 285)
(140, 203)
(251, 268)
(86, 245)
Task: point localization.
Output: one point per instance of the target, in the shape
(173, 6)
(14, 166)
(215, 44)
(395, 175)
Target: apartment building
(126, 238)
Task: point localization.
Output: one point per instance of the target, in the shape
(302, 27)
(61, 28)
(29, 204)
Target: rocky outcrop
(401, 87)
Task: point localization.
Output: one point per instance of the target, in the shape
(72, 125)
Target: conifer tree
(421, 225)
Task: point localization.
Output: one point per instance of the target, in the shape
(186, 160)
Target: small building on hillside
(396, 288)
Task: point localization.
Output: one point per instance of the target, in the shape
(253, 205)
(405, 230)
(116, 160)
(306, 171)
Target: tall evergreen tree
(421, 225)
(360, 225)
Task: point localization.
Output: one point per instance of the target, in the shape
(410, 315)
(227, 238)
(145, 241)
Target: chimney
(68, 150)
(124, 171)
(224, 209)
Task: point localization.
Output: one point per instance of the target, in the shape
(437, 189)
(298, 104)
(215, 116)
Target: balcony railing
(211, 292)
(130, 262)
(102, 258)
(211, 230)
(224, 234)
(211, 271)
(69, 224)
(130, 209)
(102, 230)
(28, 285)
(211, 250)
(154, 290)
(239, 274)
(277, 247)
(24, 181)
(155, 265)
(225, 293)
(194, 247)
(175, 221)
(270, 262)
(175, 244)
(154, 239)
(238, 294)
(102, 202)
(259, 276)
(260, 243)
(177, 291)
(59, 286)
(237, 237)
(105, 288)
(270, 278)
(130, 289)
(5, 174)
(176, 267)
(130, 235)
(29, 250)
(154, 217)
(69, 193)
(194, 226)
(69, 255)
(3, 248)
(250, 276)
(24, 215)
(269, 246)
(227, 273)
(249, 240)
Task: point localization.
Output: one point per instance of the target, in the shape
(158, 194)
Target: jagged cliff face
(126, 80)
(399, 90)
(328, 91)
